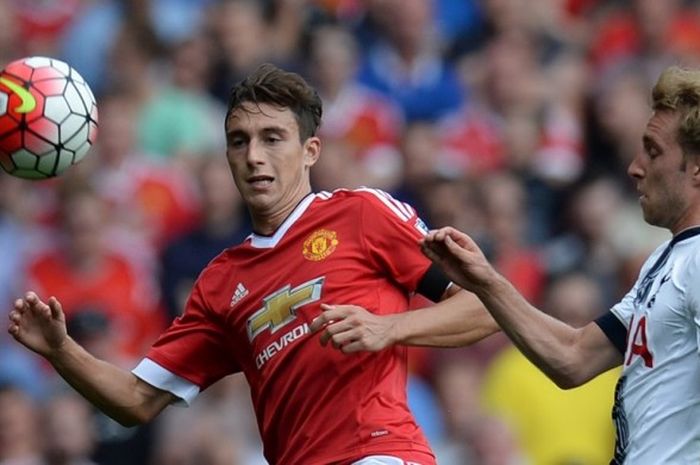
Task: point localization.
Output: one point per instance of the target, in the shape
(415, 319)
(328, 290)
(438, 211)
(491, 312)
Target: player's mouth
(260, 181)
(642, 197)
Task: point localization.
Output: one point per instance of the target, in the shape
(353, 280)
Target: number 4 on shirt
(638, 342)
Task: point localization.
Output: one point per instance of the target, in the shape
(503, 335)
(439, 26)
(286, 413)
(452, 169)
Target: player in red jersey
(253, 307)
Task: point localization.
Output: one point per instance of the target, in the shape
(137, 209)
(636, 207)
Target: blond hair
(678, 90)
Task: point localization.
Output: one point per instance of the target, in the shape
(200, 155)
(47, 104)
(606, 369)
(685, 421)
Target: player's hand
(353, 329)
(37, 325)
(459, 257)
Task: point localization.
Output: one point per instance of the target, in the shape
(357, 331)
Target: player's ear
(312, 150)
(694, 168)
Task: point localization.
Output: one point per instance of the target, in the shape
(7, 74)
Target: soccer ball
(48, 117)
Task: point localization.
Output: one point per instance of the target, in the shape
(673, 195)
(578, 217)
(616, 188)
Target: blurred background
(513, 120)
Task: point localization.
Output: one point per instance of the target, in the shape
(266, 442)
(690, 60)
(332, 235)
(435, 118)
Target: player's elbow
(568, 374)
(133, 417)
(129, 422)
(566, 381)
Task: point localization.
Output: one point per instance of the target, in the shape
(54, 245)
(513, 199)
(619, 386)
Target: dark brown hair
(271, 85)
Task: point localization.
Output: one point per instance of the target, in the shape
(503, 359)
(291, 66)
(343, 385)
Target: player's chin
(650, 214)
(258, 201)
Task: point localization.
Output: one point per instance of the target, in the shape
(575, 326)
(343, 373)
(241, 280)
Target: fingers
(37, 306)
(330, 314)
(15, 319)
(15, 316)
(453, 247)
(19, 306)
(461, 239)
(341, 324)
(31, 305)
(353, 347)
(340, 338)
(332, 321)
(441, 235)
(448, 242)
(31, 298)
(429, 252)
(436, 238)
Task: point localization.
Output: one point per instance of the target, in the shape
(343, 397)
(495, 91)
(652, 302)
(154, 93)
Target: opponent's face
(270, 165)
(663, 180)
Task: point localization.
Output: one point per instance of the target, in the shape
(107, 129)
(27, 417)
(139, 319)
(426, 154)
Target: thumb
(56, 308)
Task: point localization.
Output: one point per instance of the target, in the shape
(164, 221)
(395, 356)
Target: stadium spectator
(68, 431)
(587, 243)
(222, 223)
(181, 120)
(506, 216)
(249, 33)
(20, 438)
(86, 272)
(151, 200)
(654, 34)
(361, 124)
(406, 63)
(222, 420)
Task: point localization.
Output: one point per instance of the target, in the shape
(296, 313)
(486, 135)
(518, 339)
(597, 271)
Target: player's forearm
(550, 344)
(457, 321)
(116, 392)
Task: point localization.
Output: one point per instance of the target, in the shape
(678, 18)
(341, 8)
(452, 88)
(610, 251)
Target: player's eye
(236, 142)
(652, 150)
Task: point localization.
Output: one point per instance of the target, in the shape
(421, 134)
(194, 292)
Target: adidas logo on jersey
(238, 294)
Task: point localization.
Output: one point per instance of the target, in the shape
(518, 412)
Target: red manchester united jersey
(250, 311)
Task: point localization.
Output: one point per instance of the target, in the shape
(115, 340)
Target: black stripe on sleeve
(433, 283)
(614, 330)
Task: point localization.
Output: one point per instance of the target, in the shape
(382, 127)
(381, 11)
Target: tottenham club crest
(320, 244)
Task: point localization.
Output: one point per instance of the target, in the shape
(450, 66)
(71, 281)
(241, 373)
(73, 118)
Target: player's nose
(635, 168)
(255, 154)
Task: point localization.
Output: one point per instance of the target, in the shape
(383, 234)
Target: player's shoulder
(691, 255)
(371, 198)
(220, 267)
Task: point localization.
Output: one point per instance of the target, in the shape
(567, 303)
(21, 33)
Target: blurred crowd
(513, 120)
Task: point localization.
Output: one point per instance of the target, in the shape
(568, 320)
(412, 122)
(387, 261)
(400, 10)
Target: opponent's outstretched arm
(569, 356)
(41, 327)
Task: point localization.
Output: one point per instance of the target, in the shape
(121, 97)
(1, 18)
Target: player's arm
(458, 319)
(41, 327)
(569, 356)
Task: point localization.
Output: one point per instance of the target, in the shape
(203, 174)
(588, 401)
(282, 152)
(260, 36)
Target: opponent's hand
(353, 329)
(459, 257)
(37, 325)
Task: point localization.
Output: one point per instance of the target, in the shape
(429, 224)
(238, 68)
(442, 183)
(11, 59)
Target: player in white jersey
(657, 404)
(654, 332)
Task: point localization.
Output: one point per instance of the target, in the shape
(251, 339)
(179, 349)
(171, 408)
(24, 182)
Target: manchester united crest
(320, 244)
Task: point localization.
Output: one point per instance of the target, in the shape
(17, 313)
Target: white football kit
(657, 400)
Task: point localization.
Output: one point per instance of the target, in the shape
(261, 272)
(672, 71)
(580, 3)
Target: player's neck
(265, 223)
(689, 220)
